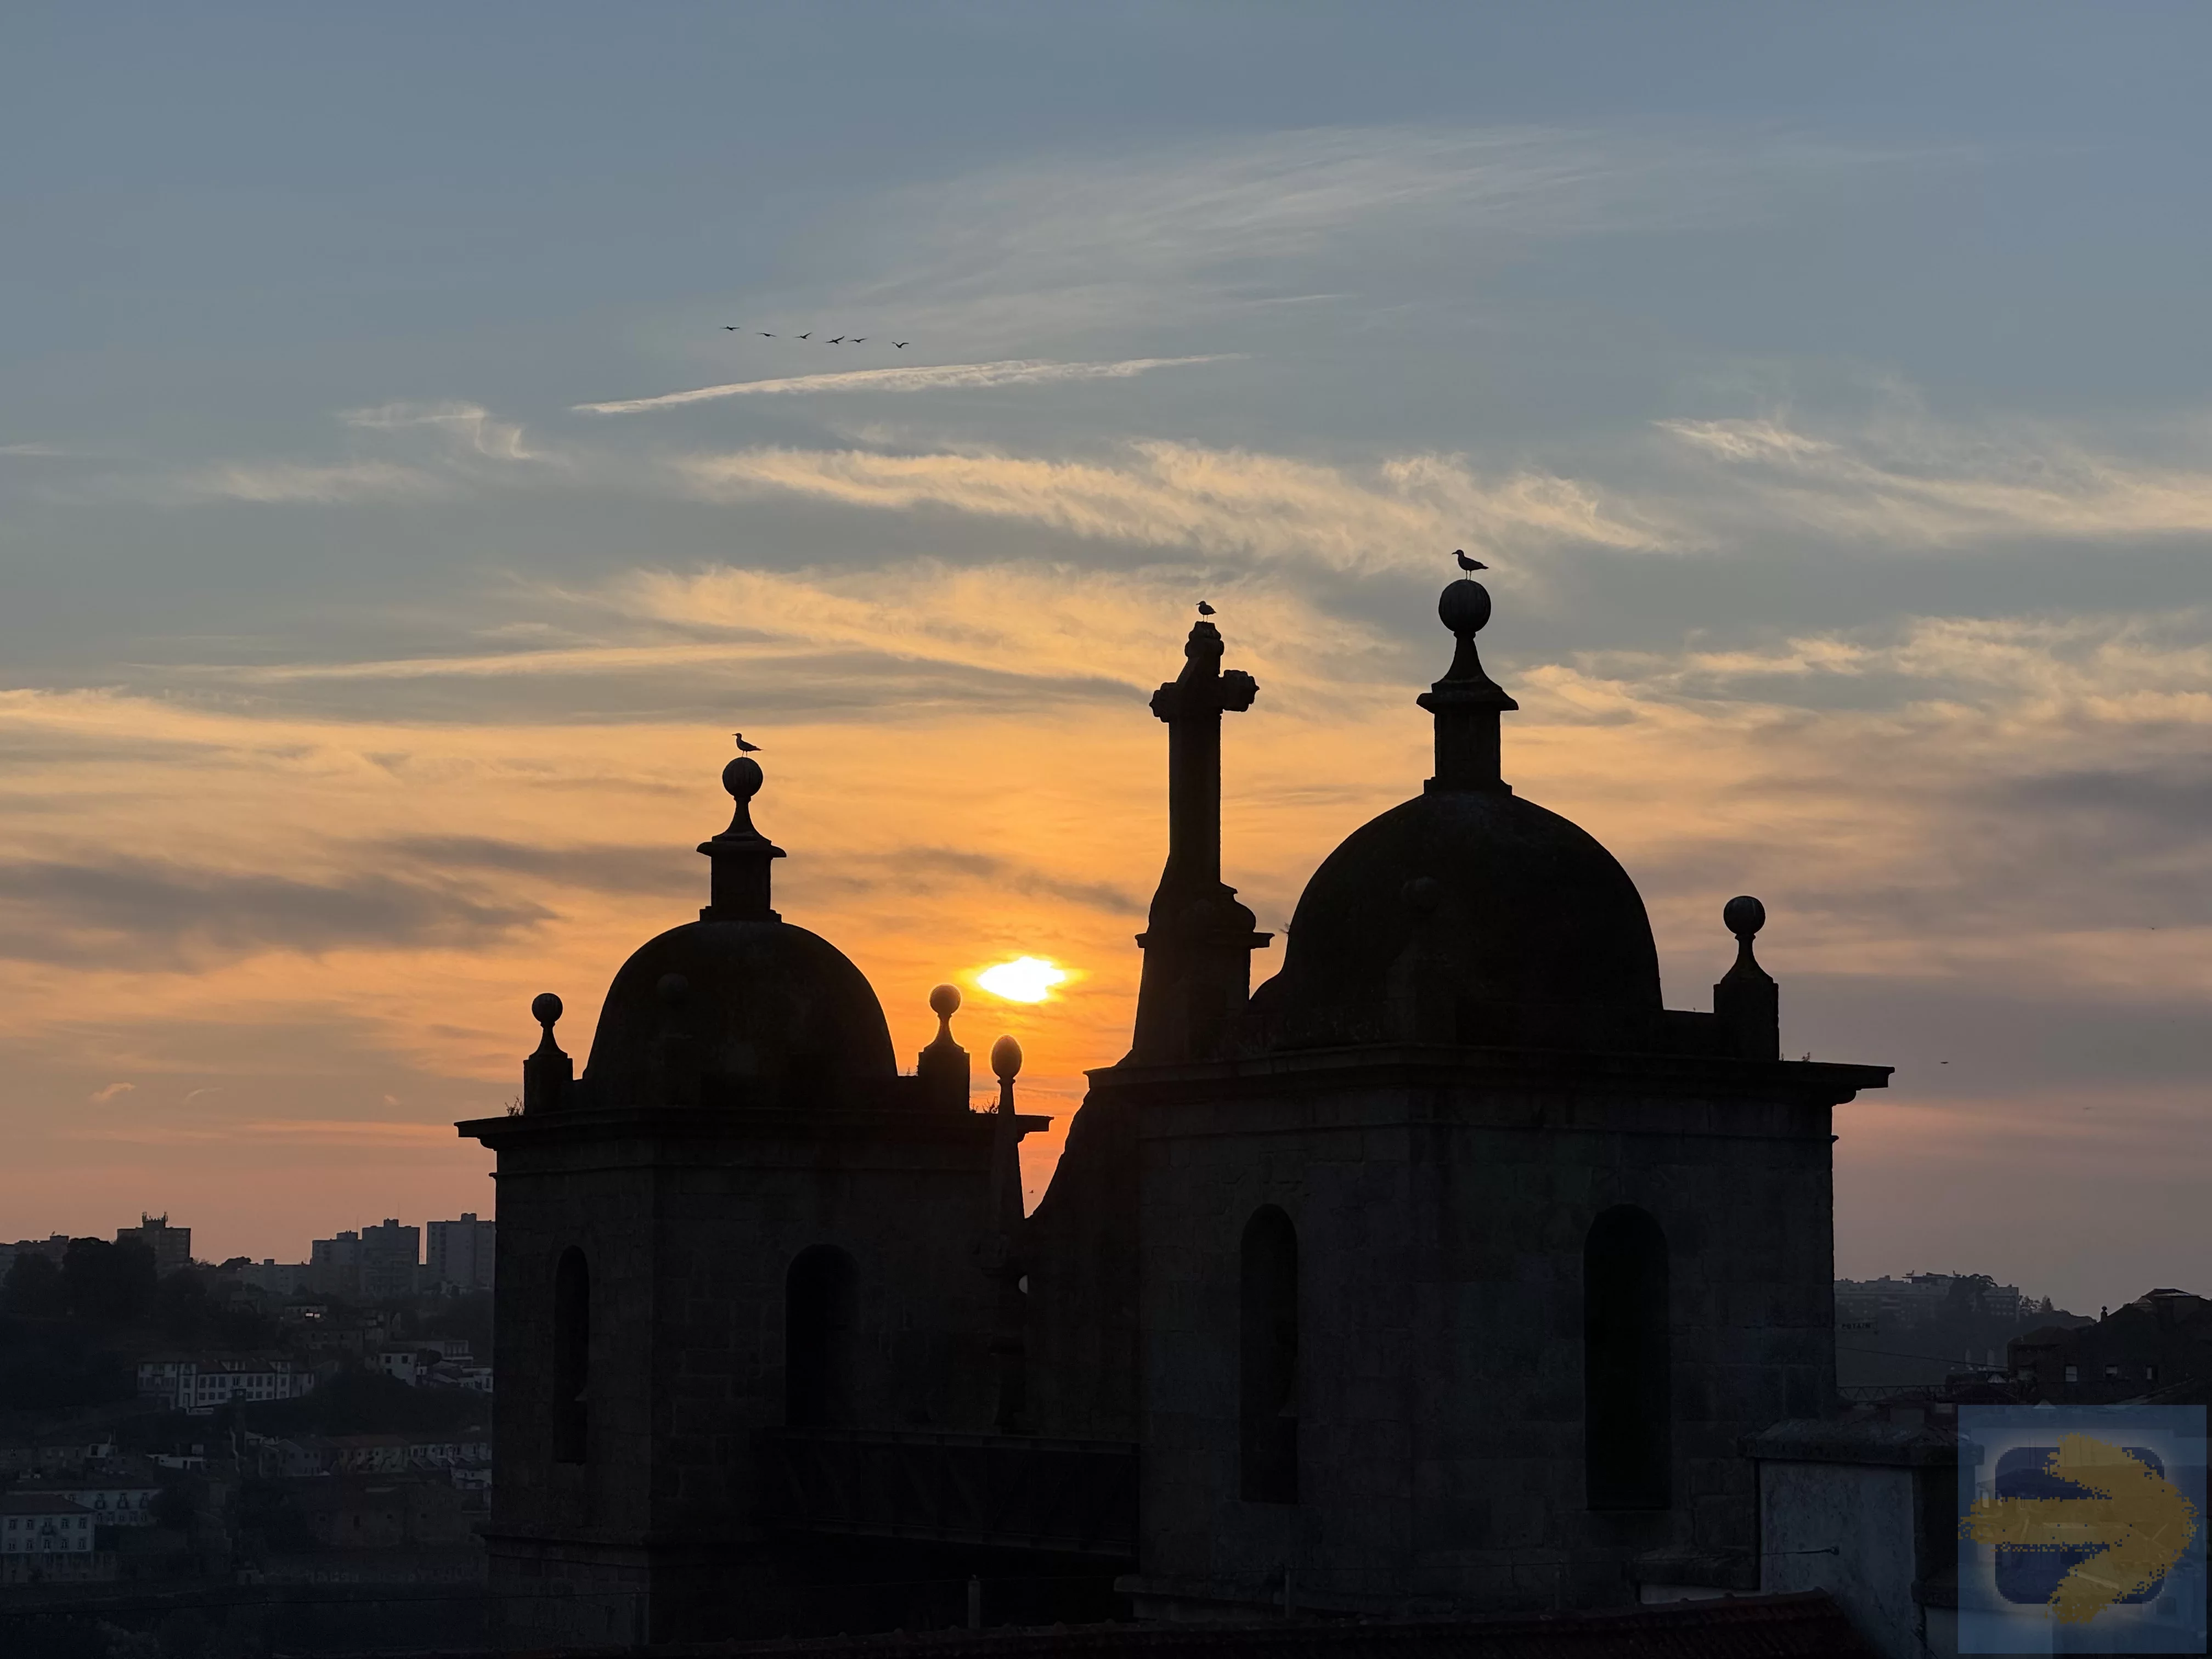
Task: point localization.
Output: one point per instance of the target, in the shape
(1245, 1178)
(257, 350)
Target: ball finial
(1743, 915)
(1006, 1059)
(742, 777)
(1464, 607)
(945, 1001)
(545, 1008)
(673, 990)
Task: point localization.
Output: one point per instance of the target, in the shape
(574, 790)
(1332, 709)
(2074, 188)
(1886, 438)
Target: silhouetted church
(1446, 1272)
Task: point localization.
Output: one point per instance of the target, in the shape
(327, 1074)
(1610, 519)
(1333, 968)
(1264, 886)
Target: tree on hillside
(34, 1290)
(1967, 1296)
(369, 1402)
(110, 1284)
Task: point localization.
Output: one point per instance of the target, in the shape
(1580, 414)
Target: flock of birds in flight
(839, 339)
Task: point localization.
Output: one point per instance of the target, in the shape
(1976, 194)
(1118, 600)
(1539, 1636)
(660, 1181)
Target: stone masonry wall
(1440, 1248)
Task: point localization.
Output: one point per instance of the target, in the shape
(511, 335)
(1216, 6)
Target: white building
(43, 1524)
(112, 1500)
(44, 1539)
(406, 1365)
(188, 1383)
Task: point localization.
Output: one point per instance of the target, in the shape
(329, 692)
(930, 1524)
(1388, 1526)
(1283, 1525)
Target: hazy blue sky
(1828, 387)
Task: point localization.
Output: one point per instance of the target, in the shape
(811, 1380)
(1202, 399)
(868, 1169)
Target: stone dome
(773, 1015)
(740, 1008)
(1466, 915)
(1514, 925)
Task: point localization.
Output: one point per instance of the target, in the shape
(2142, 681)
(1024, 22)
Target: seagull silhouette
(857, 338)
(1466, 563)
(732, 328)
(807, 336)
(837, 340)
(765, 335)
(744, 748)
(1204, 609)
(902, 344)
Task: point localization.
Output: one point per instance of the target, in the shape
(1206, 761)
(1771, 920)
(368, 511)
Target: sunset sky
(393, 536)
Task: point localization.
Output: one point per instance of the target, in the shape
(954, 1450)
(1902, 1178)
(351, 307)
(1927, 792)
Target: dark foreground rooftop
(1805, 1626)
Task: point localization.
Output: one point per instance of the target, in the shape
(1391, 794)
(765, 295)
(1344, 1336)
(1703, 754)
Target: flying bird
(902, 344)
(807, 336)
(744, 748)
(765, 335)
(838, 340)
(1466, 563)
(1204, 609)
(857, 338)
(732, 328)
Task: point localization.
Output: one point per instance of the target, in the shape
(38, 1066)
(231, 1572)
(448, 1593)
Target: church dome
(740, 1008)
(1466, 915)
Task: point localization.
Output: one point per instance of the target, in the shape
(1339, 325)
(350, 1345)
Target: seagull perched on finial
(1204, 609)
(744, 748)
(1467, 564)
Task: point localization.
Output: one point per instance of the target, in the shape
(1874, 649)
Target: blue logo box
(2081, 1529)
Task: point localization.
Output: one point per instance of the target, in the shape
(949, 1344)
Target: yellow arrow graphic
(2141, 1520)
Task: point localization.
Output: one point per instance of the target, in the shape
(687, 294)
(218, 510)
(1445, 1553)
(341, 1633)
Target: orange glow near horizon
(355, 907)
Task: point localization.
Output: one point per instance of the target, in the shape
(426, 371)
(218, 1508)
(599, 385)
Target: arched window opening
(572, 1356)
(1627, 1404)
(1268, 1360)
(817, 1339)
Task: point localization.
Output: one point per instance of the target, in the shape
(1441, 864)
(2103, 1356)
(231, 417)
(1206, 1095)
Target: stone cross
(1192, 704)
(1198, 939)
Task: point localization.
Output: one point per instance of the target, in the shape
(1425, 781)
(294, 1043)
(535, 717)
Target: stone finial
(547, 1073)
(944, 1002)
(943, 1065)
(740, 854)
(1746, 1000)
(1009, 1342)
(545, 1008)
(1007, 1065)
(1467, 701)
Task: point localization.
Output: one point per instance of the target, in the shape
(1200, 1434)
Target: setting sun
(1025, 979)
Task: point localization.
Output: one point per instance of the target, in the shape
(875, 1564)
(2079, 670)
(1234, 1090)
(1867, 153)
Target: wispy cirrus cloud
(1060, 244)
(471, 429)
(1911, 481)
(402, 451)
(920, 640)
(1394, 513)
(1069, 243)
(938, 377)
(271, 483)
